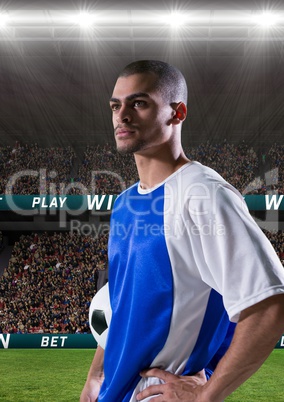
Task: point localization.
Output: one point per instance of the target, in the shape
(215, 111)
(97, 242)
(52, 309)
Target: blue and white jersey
(185, 258)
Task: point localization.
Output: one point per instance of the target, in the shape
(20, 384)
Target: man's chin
(125, 149)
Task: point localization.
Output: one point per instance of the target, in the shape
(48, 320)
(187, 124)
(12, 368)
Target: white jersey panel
(224, 244)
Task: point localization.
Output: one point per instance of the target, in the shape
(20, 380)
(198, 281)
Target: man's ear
(180, 112)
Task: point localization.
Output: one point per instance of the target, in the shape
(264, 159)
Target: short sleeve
(237, 259)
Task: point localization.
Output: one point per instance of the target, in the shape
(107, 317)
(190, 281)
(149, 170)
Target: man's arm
(95, 378)
(256, 334)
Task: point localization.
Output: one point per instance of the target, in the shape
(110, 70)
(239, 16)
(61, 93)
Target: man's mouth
(123, 132)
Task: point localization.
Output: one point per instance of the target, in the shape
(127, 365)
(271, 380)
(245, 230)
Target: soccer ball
(100, 315)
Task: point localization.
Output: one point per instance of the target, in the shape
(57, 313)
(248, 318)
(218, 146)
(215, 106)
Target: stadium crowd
(103, 171)
(31, 169)
(238, 164)
(277, 240)
(276, 156)
(51, 279)
(50, 282)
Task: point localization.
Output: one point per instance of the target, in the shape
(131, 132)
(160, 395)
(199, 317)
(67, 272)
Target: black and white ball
(100, 315)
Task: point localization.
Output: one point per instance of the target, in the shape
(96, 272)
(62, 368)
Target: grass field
(58, 375)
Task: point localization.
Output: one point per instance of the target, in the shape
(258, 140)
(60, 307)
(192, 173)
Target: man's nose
(124, 115)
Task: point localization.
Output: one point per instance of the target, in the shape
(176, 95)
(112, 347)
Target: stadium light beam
(84, 20)
(3, 20)
(265, 19)
(175, 20)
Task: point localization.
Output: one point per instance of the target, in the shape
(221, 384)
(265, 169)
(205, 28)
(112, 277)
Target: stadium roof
(59, 61)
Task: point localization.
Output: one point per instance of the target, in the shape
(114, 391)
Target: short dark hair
(171, 83)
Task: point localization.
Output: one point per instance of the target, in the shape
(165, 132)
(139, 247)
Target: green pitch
(58, 375)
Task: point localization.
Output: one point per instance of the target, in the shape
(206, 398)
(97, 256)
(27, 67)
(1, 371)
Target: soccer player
(185, 261)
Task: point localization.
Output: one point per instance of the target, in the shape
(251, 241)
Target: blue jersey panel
(139, 274)
(215, 330)
(223, 348)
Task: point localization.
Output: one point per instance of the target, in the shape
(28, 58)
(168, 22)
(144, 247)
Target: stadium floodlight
(266, 19)
(3, 20)
(174, 19)
(141, 18)
(84, 20)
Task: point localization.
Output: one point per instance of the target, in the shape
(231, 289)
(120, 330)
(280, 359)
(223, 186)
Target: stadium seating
(102, 170)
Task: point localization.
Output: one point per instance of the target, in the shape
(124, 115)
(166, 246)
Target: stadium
(61, 172)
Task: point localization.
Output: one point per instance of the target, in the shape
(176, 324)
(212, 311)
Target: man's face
(140, 115)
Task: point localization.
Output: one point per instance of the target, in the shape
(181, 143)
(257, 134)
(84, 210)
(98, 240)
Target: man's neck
(154, 169)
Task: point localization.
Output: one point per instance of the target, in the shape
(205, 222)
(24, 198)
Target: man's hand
(175, 388)
(91, 390)
(95, 378)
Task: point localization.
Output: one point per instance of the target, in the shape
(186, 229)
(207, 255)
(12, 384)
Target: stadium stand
(277, 240)
(276, 157)
(238, 164)
(103, 171)
(51, 278)
(43, 161)
(50, 282)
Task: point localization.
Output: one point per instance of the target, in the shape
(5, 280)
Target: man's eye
(114, 107)
(139, 103)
